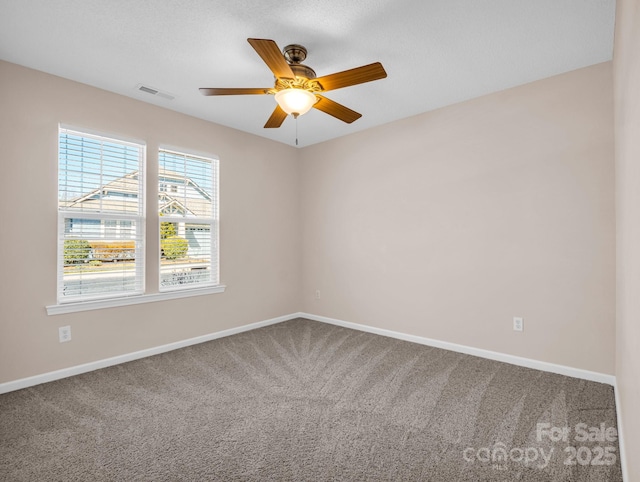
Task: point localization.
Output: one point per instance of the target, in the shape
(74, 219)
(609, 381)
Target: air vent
(156, 92)
(148, 90)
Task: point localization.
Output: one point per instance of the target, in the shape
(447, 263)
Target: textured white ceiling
(436, 52)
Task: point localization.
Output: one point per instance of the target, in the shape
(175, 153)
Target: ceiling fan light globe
(295, 101)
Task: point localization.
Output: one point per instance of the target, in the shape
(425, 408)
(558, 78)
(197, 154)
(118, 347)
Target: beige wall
(448, 224)
(627, 144)
(259, 227)
(444, 225)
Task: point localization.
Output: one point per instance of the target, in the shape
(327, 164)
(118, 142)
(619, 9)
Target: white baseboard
(623, 458)
(491, 355)
(116, 360)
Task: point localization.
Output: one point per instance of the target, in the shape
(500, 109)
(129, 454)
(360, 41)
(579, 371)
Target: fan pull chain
(296, 130)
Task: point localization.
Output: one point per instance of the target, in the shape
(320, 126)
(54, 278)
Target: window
(102, 225)
(188, 220)
(100, 217)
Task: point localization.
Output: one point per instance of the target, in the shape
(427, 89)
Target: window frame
(212, 221)
(143, 296)
(105, 217)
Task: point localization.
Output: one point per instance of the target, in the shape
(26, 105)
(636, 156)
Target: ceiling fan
(297, 89)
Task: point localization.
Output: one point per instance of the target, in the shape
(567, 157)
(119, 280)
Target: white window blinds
(100, 217)
(188, 209)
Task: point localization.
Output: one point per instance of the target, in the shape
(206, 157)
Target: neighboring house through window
(101, 217)
(101, 209)
(188, 219)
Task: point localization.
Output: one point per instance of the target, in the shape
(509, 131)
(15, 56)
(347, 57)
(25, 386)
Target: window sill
(132, 300)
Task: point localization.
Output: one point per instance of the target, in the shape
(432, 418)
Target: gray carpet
(303, 400)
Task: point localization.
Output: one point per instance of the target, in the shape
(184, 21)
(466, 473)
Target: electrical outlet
(64, 333)
(518, 323)
(317, 294)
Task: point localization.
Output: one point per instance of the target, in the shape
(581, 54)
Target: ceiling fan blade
(336, 110)
(277, 118)
(215, 91)
(359, 75)
(270, 53)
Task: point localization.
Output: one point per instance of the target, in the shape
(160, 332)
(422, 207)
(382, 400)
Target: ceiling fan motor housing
(303, 71)
(294, 54)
